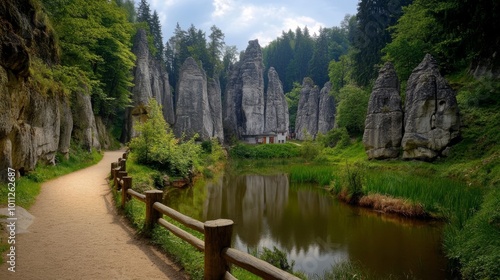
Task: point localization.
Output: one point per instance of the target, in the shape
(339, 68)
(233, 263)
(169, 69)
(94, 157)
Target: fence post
(125, 155)
(123, 165)
(120, 176)
(152, 215)
(113, 166)
(127, 184)
(217, 237)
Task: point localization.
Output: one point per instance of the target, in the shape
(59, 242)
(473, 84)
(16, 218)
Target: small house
(266, 138)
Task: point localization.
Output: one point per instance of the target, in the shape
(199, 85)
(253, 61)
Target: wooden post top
(218, 223)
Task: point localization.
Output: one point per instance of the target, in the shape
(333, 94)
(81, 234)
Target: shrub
(157, 146)
(335, 137)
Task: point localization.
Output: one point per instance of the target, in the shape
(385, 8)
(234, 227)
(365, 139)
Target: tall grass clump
(475, 246)
(264, 151)
(318, 174)
(441, 197)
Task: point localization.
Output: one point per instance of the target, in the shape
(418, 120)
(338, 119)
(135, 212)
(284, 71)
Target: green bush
(351, 110)
(157, 146)
(337, 137)
(265, 151)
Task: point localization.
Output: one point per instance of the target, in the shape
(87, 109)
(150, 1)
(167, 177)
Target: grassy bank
(28, 187)
(177, 249)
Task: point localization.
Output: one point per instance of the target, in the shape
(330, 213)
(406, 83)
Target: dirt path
(76, 234)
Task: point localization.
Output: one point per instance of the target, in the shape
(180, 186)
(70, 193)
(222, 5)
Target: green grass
(441, 197)
(319, 174)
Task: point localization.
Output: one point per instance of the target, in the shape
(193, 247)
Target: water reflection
(315, 230)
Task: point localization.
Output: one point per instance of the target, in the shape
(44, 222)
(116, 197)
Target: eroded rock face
(247, 110)
(215, 102)
(150, 81)
(431, 113)
(276, 117)
(306, 122)
(34, 126)
(252, 88)
(384, 119)
(326, 109)
(193, 108)
(84, 126)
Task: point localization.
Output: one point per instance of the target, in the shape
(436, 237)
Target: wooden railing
(218, 233)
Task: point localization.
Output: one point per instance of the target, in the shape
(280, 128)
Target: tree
(318, 65)
(155, 28)
(143, 12)
(373, 19)
(95, 38)
(351, 110)
(292, 98)
(215, 49)
(339, 72)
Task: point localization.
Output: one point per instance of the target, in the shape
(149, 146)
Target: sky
(244, 20)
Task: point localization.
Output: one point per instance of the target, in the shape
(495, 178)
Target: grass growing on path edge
(28, 187)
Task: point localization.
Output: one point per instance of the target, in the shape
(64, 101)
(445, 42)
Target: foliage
(310, 149)
(95, 37)
(339, 72)
(296, 55)
(277, 258)
(371, 35)
(337, 137)
(157, 146)
(292, 99)
(351, 110)
(411, 39)
(477, 246)
(265, 151)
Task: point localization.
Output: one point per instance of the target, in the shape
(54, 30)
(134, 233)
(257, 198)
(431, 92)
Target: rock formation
(150, 81)
(192, 104)
(384, 119)
(244, 110)
(248, 111)
(431, 113)
(35, 123)
(84, 126)
(315, 111)
(252, 88)
(326, 109)
(276, 107)
(215, 102)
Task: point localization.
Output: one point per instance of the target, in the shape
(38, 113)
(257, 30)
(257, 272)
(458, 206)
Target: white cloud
(222, 7)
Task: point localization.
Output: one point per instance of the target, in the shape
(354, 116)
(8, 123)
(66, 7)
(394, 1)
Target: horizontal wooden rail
(216, 246)
(181, 218)
(255, 265)
(184, 235)
(137, 195)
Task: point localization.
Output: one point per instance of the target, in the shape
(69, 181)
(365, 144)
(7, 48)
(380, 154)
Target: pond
(313, 228)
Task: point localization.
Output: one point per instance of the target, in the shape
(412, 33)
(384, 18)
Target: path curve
(77, 234)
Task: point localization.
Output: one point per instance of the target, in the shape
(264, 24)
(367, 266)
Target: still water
(314, 229)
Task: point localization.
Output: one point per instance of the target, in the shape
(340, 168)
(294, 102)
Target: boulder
(192, 104)
(432, 118)
(306, 122)
(384, 119)
(326, 109)
(276, 113)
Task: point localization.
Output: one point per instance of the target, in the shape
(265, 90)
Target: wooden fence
(218, 233)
